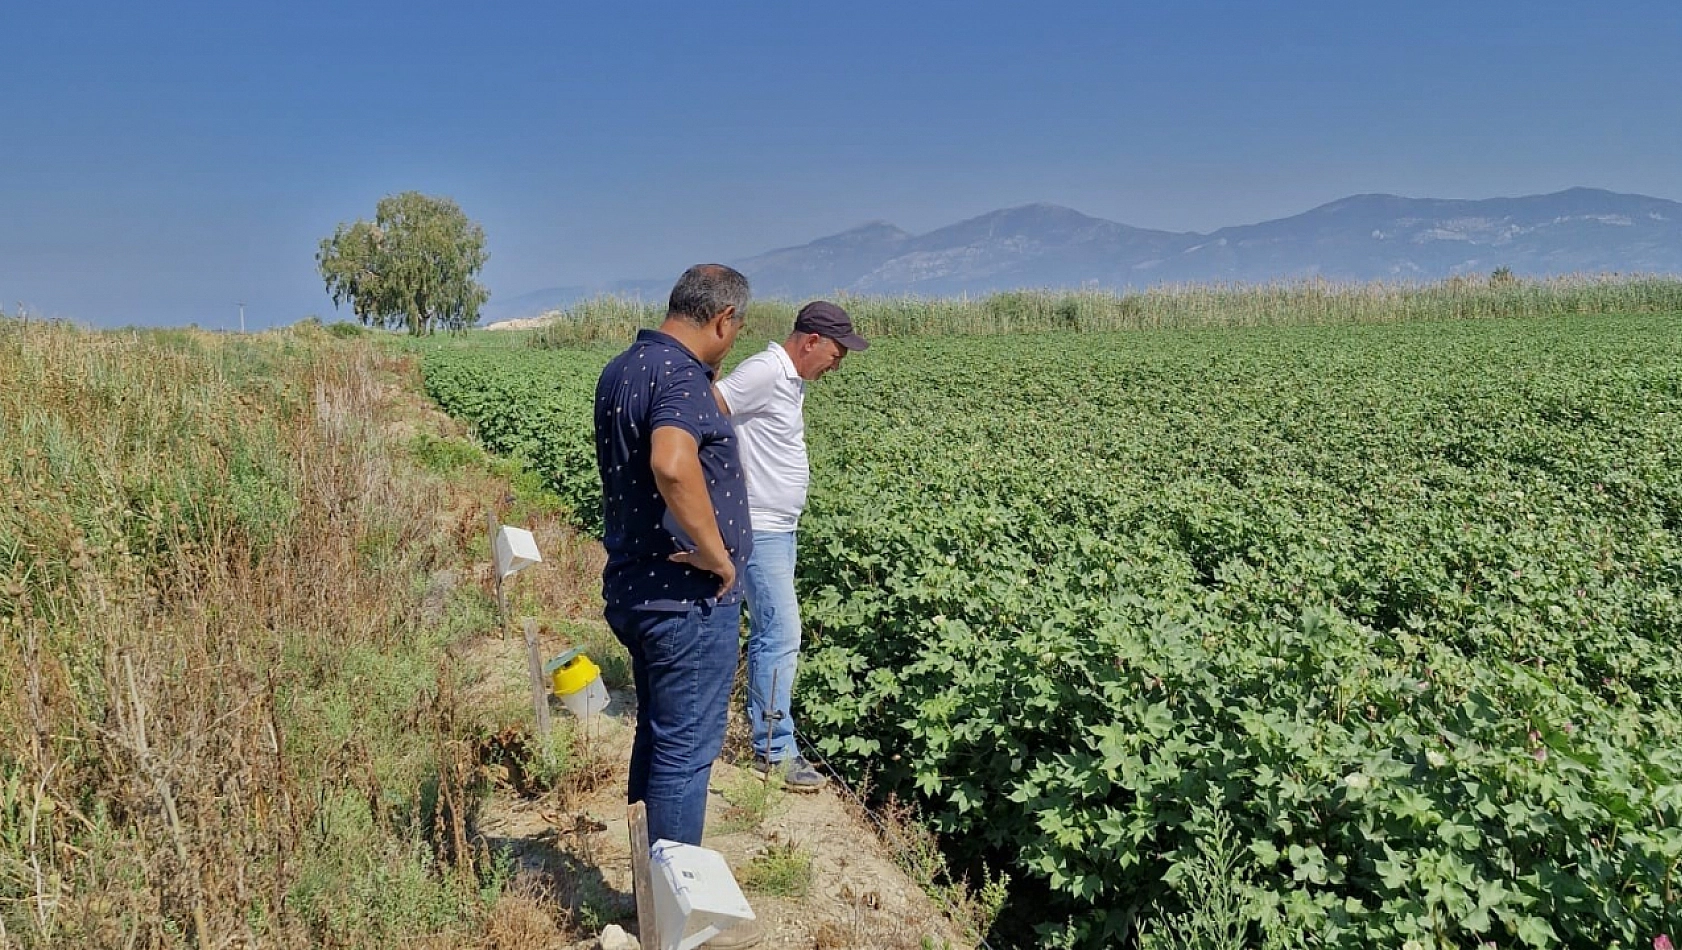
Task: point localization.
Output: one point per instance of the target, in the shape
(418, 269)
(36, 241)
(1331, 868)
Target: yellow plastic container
(578, 683)
(573, 675)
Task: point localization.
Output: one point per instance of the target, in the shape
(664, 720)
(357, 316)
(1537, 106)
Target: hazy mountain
(1033, 246)
(839, 260)
(1383, 237)
(1364, 237)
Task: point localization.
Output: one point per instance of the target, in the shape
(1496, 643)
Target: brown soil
(575, 840)
(572, 843)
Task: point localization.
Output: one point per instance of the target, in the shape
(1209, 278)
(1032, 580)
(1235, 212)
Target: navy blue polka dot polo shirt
(657, 382)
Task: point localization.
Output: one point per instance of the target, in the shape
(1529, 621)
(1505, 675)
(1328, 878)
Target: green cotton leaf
(1667, 795)
(965, 796)
(929, 782)
(1669, 842)
(1492, 894)
(1535, 931)
(1158, 720)
(1461, 836)
(1394, 872)
(1415, 807)
(1086, 886)
(859, 746)
(1310, 864)
(1113, 829)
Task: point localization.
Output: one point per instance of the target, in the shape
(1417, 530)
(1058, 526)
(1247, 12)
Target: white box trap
(515, 550)
(695, 895)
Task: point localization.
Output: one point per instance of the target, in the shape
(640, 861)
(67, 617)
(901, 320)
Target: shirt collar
(785, 359)
(657, 338)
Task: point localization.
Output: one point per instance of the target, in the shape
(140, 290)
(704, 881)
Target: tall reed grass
(616, 320)
(225, 714)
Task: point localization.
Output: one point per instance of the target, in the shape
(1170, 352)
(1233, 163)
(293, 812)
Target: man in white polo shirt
(765, 397)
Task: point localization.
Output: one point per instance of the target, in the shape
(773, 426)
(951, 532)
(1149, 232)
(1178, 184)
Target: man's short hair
(705, 290)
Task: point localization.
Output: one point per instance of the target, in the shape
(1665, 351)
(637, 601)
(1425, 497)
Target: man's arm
(745, 390)
(676, 460)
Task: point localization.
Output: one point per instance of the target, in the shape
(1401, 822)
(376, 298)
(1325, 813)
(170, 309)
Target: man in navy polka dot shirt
(677, 533)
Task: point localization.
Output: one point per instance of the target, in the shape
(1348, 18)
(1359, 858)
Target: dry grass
(1310, 302)
(971, 907)
(227, 717)
(864, 926)
(526, 916)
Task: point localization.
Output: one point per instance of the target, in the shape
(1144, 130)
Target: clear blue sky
(161, 161)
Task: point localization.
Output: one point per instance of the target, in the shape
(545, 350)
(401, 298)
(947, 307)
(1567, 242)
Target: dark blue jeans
(683, 665)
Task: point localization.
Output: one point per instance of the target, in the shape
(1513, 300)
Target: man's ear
(723, 319)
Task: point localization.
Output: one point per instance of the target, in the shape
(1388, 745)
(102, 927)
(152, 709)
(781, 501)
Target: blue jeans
(773, 642)
(683, 665)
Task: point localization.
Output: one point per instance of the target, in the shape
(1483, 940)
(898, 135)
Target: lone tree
(412, 266)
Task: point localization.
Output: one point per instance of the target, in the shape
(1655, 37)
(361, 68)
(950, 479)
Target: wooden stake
(642, 878)
(491, 526)
(534, 667)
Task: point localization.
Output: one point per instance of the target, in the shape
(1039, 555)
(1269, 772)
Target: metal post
(772, 716)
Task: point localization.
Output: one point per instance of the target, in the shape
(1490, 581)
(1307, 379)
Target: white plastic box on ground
(695, 895)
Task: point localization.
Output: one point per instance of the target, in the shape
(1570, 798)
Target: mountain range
(1359, 238)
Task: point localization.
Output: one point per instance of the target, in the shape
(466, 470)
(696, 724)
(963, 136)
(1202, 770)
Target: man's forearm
(682, 483)
(692, 507)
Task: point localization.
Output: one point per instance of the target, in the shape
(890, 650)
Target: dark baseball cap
(826, 319)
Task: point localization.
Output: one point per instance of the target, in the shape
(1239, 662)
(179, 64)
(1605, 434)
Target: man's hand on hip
(723, 567)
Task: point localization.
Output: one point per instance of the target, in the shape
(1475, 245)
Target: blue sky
(161, 162)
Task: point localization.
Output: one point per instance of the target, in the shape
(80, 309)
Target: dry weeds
(213, 565)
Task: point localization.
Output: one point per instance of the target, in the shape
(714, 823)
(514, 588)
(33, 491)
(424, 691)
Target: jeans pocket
(669, 636)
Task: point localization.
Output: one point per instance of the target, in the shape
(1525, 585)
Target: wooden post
(642, 879)
(534, 666)
(491, 525)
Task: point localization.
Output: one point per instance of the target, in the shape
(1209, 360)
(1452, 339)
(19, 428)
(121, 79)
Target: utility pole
(242, 318)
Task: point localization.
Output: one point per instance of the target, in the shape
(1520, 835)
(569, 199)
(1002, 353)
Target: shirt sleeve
(683, 400)
(749, 386)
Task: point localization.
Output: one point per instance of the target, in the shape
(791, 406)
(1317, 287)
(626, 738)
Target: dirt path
(576, 842)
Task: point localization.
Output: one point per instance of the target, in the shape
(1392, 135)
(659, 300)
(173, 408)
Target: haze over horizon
(163, 164)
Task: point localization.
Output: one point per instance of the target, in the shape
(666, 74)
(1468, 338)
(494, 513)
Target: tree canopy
(412, 266)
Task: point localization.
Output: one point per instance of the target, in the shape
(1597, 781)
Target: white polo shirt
(767, 399)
